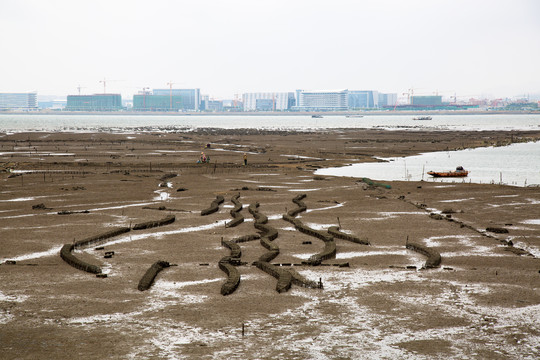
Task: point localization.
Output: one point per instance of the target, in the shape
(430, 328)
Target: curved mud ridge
(148, 278)
(67, 256)
(285, 277)
(227, 265)
(246, 238)
(101, 237)
(151, 224)
(301, 207)
(214, 206)
(433, 256)
(335, 232)
(329, 251)
(235, 212)
(66, 251)
(268, 234)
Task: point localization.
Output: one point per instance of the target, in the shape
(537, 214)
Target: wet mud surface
(481, 301)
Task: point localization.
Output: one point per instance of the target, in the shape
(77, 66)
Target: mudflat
(340, 297)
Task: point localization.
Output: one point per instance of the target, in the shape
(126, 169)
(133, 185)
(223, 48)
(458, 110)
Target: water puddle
(515, 165)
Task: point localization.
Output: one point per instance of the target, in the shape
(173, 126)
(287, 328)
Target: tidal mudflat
(374, 301)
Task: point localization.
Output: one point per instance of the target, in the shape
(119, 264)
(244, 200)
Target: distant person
(245, 159)
(202, 159)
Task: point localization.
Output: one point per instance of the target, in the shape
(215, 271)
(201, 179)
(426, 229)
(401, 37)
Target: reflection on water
(517, 164)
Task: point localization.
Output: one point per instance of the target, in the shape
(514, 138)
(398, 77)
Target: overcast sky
(227, 47)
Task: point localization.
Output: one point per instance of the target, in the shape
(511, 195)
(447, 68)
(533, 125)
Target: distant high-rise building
(96, 102)
(205, 99)
(279, 101)
(149, 102)
(367, 99)
(387, 99)
(18, 101)
(426, 100)
(190, 98)
(321, 100)
(214, 105)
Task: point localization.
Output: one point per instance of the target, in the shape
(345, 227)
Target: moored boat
(459, 172)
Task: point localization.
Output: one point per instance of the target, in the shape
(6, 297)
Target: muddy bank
(482, 300)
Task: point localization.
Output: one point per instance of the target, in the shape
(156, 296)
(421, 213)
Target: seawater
(133, 123)
(516, 164)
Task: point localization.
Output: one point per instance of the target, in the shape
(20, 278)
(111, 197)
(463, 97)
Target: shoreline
(277, 113)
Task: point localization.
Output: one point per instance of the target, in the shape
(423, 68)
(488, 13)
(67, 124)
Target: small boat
(422, 118)
(459, 172)
(317, 116)
(354, 116)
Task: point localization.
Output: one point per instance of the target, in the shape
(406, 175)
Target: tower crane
(79, 88)
(410, 94)
(105, 81)
(170, 83)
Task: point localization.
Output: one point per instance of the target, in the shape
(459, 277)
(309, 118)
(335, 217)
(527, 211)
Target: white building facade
(387, 99)
(18, 101)
(267, 101)
(321, 100)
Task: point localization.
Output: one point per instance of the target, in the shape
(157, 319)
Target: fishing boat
(422, 118)
(459, 172)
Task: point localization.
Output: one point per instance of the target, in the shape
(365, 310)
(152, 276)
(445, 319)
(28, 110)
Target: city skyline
(472, 49)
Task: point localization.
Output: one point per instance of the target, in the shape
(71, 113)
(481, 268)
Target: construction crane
(170, 83)
(144, 90)
(79, 88)
(410, 94)
(105, 81)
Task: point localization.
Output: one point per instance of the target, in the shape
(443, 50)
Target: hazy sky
(227, 47)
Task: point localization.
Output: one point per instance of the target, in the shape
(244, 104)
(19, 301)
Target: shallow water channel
(516, 164)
